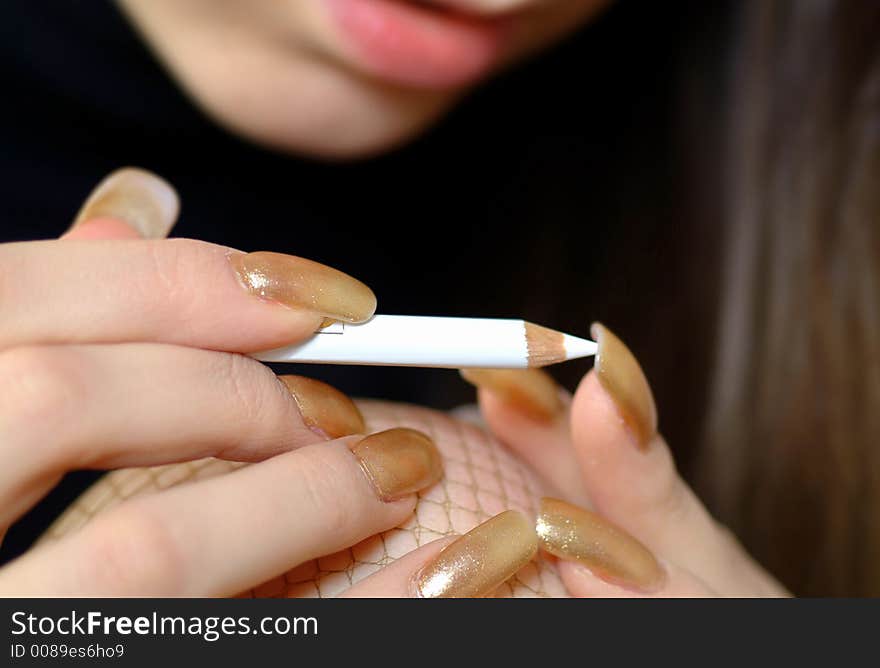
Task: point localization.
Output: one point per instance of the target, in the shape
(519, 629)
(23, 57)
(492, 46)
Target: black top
(519, 204)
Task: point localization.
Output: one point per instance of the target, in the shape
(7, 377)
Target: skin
(592, 457)
(664, 516)
(313, 496)
(254, 417)
(290, 62)
(192, 401)
(156, 314)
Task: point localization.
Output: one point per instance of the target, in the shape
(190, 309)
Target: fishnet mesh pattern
(481, 479)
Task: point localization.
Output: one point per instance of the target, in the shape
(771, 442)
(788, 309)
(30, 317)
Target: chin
(341, 138)
(320, 110)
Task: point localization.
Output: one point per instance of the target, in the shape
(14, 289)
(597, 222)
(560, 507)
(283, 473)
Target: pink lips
(417, 45)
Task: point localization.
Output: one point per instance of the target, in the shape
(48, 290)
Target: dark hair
(791, 458)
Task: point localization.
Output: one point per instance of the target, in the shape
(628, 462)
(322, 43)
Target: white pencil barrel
(414, 341)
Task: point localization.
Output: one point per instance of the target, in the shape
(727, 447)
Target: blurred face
(342, 78)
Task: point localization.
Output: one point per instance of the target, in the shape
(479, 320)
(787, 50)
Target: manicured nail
(480, 561)
(142, 200)
(299, 283)
(622, 377)
(531, 392)
(325, 409)
(399, 462)
(576, 534)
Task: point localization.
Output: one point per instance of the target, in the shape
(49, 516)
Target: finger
(632, 479)
(481, 560)
(581, 582)
(397, 580)
(110, 406)
(618, 563)
(170, 291)
(599, 559)
(529, 413)
(130, 203)
(227, 534)
(102, 228)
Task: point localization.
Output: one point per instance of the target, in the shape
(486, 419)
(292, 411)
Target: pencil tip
(547, 346)
(577, 347)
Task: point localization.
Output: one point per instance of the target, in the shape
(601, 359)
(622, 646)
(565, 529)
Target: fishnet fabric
(481, 479)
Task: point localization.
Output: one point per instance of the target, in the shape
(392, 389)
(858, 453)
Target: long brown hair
(791, 459)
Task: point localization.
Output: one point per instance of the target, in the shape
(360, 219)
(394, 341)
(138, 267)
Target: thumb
(632, 479)
(130, 203)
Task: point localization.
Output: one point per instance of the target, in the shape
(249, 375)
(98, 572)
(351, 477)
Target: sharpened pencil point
(577, 347)
(547, 346)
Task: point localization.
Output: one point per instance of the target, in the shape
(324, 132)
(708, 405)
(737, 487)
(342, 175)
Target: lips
(417, 45)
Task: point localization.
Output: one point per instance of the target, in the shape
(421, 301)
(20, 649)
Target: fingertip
(580, 535)
(399, 579)
(142, 200)
(324, 409)
(622, 378)
(616, 470)
(399, 462)
(594, 415)
(530, 393)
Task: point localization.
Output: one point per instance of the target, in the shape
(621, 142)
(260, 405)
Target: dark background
(558, 192)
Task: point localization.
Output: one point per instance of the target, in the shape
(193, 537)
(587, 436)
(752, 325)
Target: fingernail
(399, 462)
(142, 200)
(576, 534)
(299, 283)
(531, 392)
(324, 409)
(622, 377)
(481, 560)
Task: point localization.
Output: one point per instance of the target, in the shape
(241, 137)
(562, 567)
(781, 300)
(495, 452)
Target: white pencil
(455, 343)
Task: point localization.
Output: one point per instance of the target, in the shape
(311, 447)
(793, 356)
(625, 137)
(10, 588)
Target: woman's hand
(647, 533)
(120, 351)
(481, 511)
